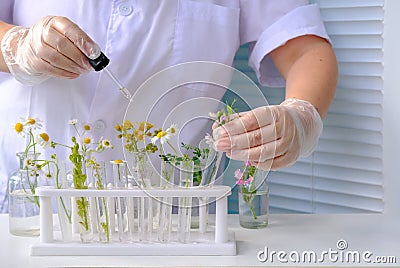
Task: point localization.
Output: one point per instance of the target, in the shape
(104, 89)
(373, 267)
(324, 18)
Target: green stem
(105, 225)
(173, 148)
(248, 198)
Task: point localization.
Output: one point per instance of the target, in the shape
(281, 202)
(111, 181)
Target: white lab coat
(142, 37)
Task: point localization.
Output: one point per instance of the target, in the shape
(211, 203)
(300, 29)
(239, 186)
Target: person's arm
(4, 27)
(53, 46)
(272, 137)
(308, 64)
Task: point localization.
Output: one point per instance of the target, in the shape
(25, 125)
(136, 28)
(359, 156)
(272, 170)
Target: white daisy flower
(163, 136)
(213, 115)
(43, 139)
(20, 129)
(73, 121)
(172, 130)
(106, 144)
(86, 140)
(34, 123)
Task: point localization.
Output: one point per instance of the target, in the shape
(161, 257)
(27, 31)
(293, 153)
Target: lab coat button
(125, 9)
(99, 126)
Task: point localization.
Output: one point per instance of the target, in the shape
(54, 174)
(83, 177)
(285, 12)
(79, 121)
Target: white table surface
(378, 234)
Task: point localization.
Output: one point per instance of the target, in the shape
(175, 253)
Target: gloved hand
(54, 46)
(271, 137)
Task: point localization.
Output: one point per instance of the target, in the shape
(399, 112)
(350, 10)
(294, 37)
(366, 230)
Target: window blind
(344, 174)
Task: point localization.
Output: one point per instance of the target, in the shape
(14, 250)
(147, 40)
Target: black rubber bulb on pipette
(100, 62)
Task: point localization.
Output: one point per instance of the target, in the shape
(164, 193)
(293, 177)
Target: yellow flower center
(161, 134)
(44, 136)
(106, 143)
(118, 161)
(172, 130)
(31, 121)
(86, 140)
(18, 127)
(86, 127)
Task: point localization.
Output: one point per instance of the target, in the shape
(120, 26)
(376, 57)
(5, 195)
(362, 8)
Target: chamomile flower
(43, 139)
(86, 140)
(163, 136)
(86, 127)
(20, 129)
(73, 122)
(34, 123)
(106, 143)
(117, 161)
(29, 162)
(213, 115)
(172, 129)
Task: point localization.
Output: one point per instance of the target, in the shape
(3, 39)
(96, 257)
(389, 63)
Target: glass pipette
(123, 89)
(100, 63)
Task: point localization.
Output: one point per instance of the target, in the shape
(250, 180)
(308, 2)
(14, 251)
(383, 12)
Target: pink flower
(249, 180)
(223, 119)
(238, 174)
(248, 164)
(240, 182)
(239, 177)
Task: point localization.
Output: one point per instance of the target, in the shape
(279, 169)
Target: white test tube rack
(217, 241)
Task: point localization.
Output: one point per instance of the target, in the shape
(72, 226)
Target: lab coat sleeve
(6, 10)
(266, 25)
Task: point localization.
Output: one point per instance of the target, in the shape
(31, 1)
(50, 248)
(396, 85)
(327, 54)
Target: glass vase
(23, 204)
(254, 202)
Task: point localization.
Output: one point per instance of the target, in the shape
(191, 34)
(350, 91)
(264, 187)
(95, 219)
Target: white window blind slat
(350, 174)
(357, 41)
(354, 27)
(348, 187)
(362, 83)
(350, 148)
(348, 161)
(354, 121)
(346, 4)
(348, 200)
(359, 55)
(357, 96)
(346, 134)
(356, 108)
(352, 13)
(361, 69)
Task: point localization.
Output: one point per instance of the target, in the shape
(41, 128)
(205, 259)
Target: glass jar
(254, 202)
(23, 204)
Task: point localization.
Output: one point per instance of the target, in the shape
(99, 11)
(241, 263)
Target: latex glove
(54, 46)
(271, 137)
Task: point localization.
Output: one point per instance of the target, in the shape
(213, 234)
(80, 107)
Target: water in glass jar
(23, 214)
